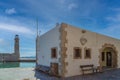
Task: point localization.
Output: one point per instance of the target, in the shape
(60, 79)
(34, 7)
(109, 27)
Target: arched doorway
(108, 56)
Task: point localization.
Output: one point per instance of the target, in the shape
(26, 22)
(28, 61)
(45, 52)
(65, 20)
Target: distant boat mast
(37, 25)
(37, 41)
(38, 31)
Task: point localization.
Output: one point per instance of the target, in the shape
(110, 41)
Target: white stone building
(64, 48)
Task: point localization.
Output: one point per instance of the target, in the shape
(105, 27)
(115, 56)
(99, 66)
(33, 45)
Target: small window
(87, 53)
(53, 53)
(77, 52)
(103, 56)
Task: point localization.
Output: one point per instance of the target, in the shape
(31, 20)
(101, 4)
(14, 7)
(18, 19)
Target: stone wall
(85, 39)
(8, 57)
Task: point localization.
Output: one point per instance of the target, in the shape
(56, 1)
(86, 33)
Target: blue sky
(19, 17)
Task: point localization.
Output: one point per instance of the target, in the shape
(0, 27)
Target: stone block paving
(31, 74)
(106, 75)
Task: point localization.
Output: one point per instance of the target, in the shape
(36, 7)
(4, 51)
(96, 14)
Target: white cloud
(113, 28)
(115, 9)
(72, 6)
(3, 43)
(10, 11)
(15, 28)
(25, 54)
(1, 40)
(114, 18)
(28, 48)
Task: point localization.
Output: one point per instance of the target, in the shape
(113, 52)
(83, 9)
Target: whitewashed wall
(94, 41)
(47, 41)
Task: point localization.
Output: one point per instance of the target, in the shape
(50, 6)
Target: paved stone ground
(30, 74)
(17, 74)
(107, 75)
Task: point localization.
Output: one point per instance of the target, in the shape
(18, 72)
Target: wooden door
(54, 68)
(109, 59)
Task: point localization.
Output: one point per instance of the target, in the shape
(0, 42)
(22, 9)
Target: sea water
(17, 64)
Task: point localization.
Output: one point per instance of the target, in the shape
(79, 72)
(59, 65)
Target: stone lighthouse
(11, 57)
(16, 47)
